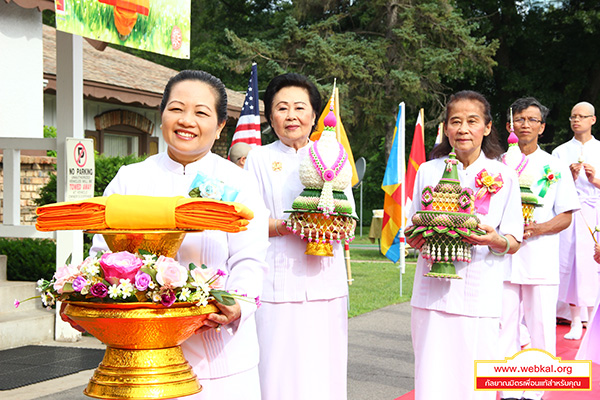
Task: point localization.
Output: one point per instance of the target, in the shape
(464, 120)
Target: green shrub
(29, 259)
(48, 191)
(50, 132)
(107, 168)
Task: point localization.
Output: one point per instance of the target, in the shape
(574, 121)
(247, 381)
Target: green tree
(548, 49)
(381, 52)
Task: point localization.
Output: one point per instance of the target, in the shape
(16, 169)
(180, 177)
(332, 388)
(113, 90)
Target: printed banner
(533, 369)
(160, 26)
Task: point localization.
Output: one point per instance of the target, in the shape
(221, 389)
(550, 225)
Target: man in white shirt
(532, 285)
(579, 274)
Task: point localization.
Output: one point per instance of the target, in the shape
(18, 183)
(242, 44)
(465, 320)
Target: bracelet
(494, 252)
(277, 227)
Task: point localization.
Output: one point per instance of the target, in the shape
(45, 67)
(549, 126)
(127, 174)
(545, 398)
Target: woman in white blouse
(303, 321)
(456, 321)
(193, 113)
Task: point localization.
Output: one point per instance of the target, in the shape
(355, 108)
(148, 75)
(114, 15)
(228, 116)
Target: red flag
(416, 158)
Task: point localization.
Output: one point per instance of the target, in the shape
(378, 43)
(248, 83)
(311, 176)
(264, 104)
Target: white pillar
(21, 99)
(21, 72)
(69, 123)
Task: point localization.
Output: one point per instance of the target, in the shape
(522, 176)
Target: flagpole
(402, 158)
(335, 100)
(336, 110)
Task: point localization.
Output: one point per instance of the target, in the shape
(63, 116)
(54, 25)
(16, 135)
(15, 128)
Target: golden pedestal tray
(320, 230)
(143, 358)
(161, 243)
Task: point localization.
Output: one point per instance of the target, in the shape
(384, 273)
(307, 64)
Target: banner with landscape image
(160, 26)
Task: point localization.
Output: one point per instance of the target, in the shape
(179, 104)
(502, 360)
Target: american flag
(248, 126)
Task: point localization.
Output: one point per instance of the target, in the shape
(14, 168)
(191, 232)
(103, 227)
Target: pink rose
(64, 274)
(142, 280)
(121, 265)
(170, 273)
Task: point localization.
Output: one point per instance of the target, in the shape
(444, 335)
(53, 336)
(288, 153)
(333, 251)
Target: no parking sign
(80, 169)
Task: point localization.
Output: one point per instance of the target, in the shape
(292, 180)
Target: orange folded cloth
(129, 212)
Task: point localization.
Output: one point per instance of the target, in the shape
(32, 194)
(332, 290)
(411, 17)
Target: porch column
(69, 123)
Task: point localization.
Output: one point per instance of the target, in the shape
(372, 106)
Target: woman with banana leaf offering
(224, 352)
(456, 321)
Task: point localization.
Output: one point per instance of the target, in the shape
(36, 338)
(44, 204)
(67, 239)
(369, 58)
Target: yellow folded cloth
(130, 212)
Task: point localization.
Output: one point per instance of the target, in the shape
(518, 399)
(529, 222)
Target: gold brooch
(276, 166)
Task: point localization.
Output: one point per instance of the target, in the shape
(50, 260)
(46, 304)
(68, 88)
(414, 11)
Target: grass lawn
(376, 279)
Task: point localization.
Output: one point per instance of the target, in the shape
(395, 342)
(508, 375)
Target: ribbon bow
(548, 179)
(488, 185)
(211, 188)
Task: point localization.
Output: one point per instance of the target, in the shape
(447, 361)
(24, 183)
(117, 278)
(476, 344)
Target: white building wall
(21, 71)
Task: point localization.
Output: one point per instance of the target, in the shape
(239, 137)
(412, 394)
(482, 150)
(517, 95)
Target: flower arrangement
(548, 178)
(211, 188)
(123, 277)
(487, 182)
(487, 186)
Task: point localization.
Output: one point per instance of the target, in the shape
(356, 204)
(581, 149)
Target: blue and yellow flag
(392, 186)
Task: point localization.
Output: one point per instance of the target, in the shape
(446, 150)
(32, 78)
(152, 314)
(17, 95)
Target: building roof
(115, 76)
(40, 4)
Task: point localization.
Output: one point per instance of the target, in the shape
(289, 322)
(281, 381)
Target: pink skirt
(303, 349)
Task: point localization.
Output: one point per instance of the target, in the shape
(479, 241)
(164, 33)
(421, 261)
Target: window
(120, 145)
(122, 140)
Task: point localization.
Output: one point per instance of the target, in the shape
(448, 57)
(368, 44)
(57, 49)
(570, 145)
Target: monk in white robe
(579, 284)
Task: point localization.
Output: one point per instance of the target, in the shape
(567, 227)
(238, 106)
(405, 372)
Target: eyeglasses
(532, 121)
(579, 117)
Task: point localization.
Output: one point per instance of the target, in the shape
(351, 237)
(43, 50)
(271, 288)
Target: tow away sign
(81, 169)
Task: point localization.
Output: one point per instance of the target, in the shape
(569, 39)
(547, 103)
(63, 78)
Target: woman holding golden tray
(223, 352)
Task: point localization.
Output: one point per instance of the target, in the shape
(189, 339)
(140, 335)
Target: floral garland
(549, 177)
(487, 185)
(328, 174)
(522, 164)
(125, 277)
